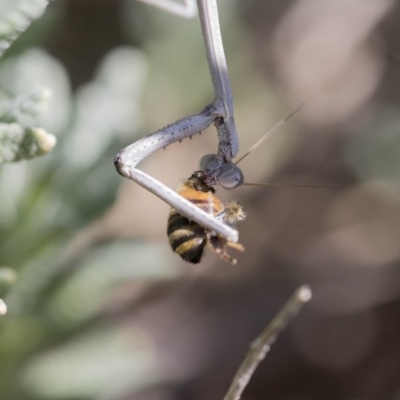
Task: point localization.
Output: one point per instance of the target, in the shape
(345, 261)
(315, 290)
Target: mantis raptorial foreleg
(228, 140)
(127, 159)
(219, 112)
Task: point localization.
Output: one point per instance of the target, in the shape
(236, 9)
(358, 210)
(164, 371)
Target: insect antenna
(260, 141)
(292, 185)
(269, 133)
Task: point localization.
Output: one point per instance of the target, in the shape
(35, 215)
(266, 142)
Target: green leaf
(15, 17)
(18, 143)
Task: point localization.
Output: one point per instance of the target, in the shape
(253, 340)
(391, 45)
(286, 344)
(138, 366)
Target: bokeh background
(99, 306)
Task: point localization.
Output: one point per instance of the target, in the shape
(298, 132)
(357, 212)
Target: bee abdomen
(186, 238)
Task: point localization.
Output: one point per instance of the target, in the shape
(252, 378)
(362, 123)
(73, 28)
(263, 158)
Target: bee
(187, 238)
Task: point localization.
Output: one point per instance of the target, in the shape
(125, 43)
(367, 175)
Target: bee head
(196, 181)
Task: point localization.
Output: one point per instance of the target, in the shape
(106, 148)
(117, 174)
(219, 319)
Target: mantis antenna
(230, 175)
(269, 133)
(291, 185)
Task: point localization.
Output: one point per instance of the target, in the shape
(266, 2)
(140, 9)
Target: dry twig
(260, 347)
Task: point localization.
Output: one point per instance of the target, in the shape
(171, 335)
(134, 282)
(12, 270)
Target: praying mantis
(219, 112)
(217, 169)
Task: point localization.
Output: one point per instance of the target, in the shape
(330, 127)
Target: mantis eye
(230, 176)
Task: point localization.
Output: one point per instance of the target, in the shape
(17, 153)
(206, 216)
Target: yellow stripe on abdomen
(189, 245)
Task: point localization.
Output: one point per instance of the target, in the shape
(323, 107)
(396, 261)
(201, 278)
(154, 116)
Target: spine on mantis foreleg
(186, 127)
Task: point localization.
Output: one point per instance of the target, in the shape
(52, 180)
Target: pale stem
(260, 347)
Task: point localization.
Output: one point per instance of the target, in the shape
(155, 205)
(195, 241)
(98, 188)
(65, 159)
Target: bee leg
(217, 245)
(221, 215)
(233, 213)
(236, 246)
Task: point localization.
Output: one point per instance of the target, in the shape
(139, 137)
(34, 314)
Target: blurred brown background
(102, 309)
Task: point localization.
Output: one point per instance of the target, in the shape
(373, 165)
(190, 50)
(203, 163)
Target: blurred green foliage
(54, 288)
(20, 138)
(16, 16)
